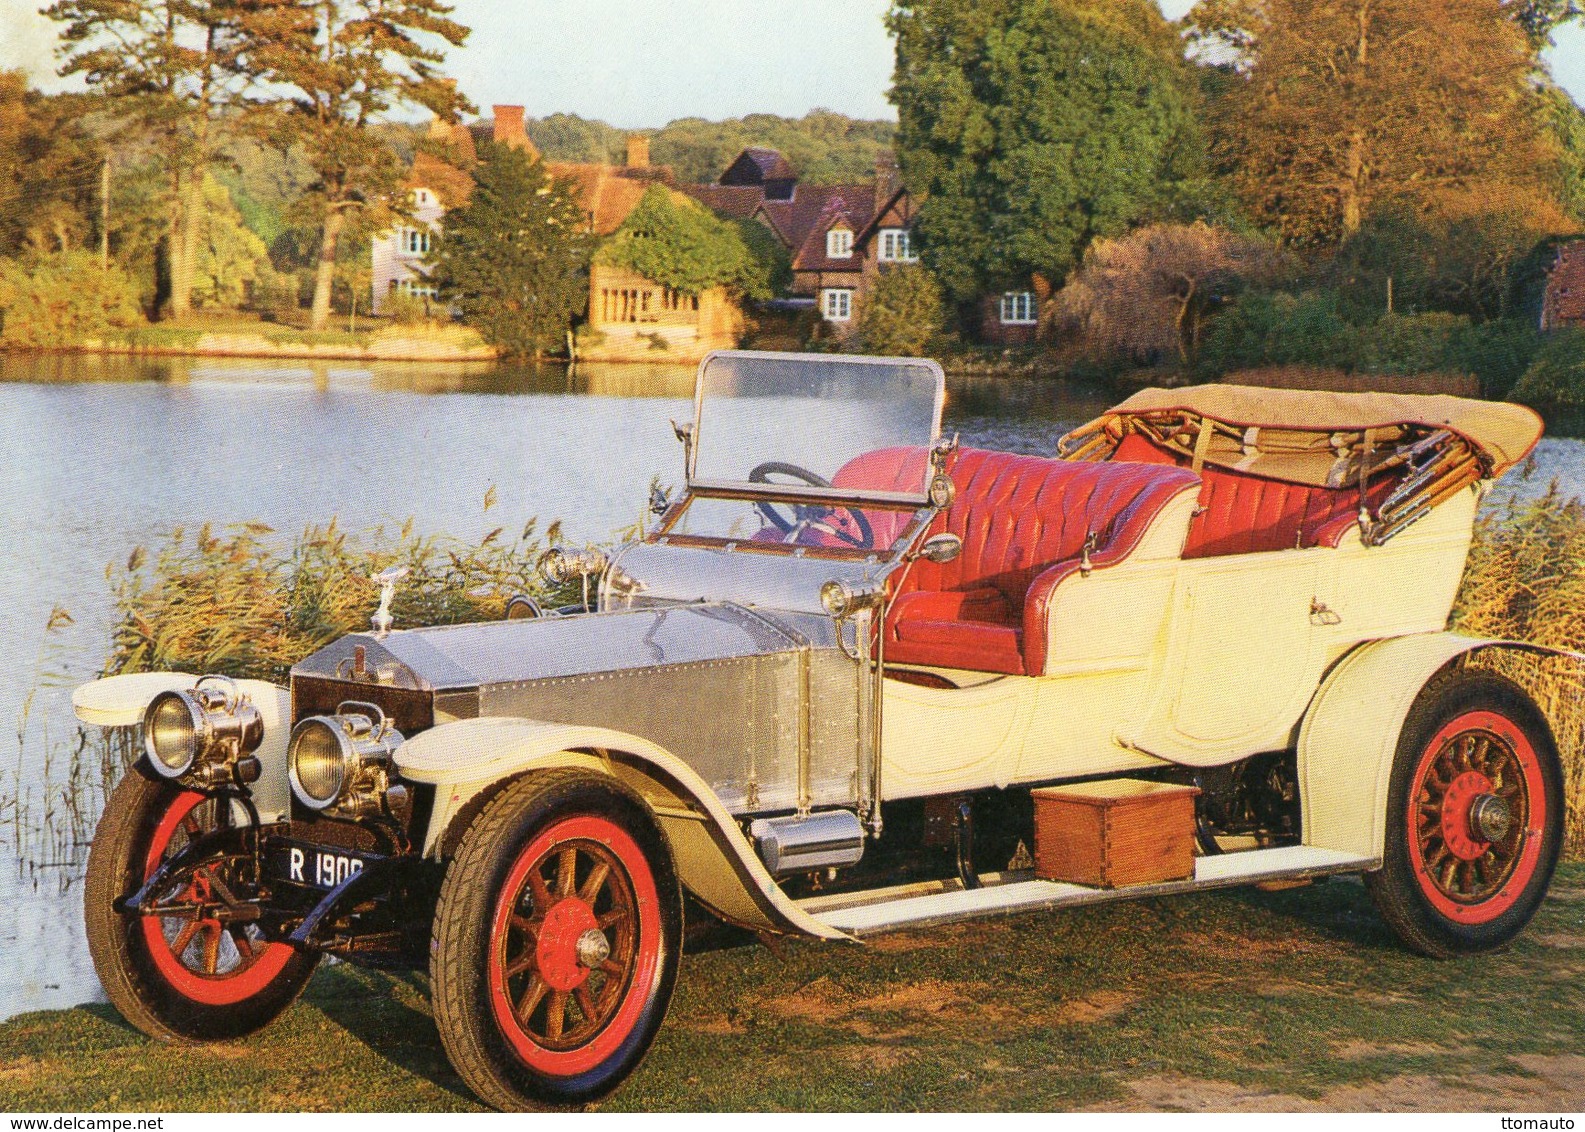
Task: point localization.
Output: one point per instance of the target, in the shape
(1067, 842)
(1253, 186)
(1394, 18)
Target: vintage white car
(856, 678)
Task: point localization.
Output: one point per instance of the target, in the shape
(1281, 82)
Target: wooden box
(1115, 833)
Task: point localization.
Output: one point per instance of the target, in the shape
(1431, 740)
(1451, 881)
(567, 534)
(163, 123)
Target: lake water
(103, 455)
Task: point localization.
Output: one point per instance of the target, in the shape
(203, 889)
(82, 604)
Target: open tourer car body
(856, 678)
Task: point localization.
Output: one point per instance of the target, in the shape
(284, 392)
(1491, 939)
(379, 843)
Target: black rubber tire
(131, 979)
(1394, 888)
(461, 947)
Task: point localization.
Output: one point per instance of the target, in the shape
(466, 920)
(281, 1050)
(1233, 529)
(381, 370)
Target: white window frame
(896, 246)
(422, 197)
(836, 304)
(418, 290)
(1018, 308)
(839, 243)
(415, 241)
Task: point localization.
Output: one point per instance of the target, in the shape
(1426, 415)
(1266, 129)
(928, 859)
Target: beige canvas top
(1505, 433)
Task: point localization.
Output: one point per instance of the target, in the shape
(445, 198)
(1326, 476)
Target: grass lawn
(1229, 1000)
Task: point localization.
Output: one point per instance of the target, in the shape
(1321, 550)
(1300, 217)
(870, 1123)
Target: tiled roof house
(633, 316)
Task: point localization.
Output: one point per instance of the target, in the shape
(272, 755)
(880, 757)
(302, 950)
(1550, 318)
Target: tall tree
(49, 169)
(680, 244)
(173, 69)
(514, 258)
(344, 65)
(1033, 126)
(1346, 104)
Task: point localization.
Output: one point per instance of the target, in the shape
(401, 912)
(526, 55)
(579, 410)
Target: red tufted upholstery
(1023, 521)
(1245, 513)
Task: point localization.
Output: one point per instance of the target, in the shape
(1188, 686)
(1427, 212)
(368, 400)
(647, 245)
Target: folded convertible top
(1504, 433)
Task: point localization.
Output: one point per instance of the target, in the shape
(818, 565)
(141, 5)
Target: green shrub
(63, 298)
(1497, 352)
(1556, 378)
(680, 244)
(902, 313)
(1264, 329)
(1408, 343)
(406, 310)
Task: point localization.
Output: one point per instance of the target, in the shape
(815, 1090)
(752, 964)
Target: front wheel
(1474, 817)
(192, 971)
(557, 940)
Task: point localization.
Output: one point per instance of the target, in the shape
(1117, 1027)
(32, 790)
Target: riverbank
(384, 342)
(1241, 1000)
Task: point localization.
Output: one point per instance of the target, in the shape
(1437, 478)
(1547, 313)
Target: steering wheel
(806, 515)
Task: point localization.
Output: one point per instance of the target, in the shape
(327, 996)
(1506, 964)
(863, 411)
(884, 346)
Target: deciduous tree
(49, 169)
(682, 245)
(344, 65)
(1150, 293)
(173, 68)
(1033, 126)
(514, 258)
(1347, 104)
(902, 312)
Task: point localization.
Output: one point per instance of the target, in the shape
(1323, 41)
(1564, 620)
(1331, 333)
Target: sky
(639, 64)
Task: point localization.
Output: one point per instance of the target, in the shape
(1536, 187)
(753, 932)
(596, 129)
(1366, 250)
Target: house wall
(632, 313)
(392, 264)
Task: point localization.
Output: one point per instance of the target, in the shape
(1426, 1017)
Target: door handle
(1321, 615)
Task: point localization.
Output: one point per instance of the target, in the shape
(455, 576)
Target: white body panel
(1200, 662)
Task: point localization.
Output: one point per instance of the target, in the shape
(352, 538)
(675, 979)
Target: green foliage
(239, 604)
(680, 244)
(1496, 352)
(514, 258)
(825, 147)
(1463, 256)
(1567, 122)
(63, 298)
(1033, 126)
(230, 257)
(1556, 378)
(49, 170)
(771, 255)
(405, 309)
(902, 313)
(335, 69)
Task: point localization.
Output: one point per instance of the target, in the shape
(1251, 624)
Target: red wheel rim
(196, 953)
(564, 1000)
(1470, 874)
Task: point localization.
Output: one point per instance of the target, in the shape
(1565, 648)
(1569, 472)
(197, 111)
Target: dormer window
(423, 198)
(896, 246)
(839, 243)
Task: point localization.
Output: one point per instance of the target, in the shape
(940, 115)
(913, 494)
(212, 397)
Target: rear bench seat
(1023, 521)
(1243, 513)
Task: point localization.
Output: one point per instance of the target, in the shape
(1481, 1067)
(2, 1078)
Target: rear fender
(119, 701)
(714, 860)
(1350, 734)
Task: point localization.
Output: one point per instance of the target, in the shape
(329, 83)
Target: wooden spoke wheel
(193, 969)
(558, 935)
(200, 950)
(1475, 816)
(1479, 807)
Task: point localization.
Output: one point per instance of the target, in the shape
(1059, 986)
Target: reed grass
(239, 603)
(1525, 581)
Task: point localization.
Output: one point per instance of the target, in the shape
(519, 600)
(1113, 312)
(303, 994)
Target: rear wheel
(191, 971)
(1475, 817)
(557, 941)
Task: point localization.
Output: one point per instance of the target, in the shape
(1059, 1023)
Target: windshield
(811, 420)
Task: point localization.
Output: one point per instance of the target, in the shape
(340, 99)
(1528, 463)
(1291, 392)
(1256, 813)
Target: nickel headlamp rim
(362, 735)
(218, 713)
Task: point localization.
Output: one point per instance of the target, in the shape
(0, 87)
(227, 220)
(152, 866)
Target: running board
(911, 906)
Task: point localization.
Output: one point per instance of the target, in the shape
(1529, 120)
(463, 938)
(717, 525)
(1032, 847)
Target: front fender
(714, 860)
(119, 701)
(1350, 734)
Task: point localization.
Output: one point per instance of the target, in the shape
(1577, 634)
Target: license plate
(314, 865)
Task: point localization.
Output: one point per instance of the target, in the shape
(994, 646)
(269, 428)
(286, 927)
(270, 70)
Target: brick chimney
(509, 130)
(888, 179)
(637, 151)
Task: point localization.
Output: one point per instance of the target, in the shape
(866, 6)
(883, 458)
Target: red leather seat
(1244, 513)
(1023, 521)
